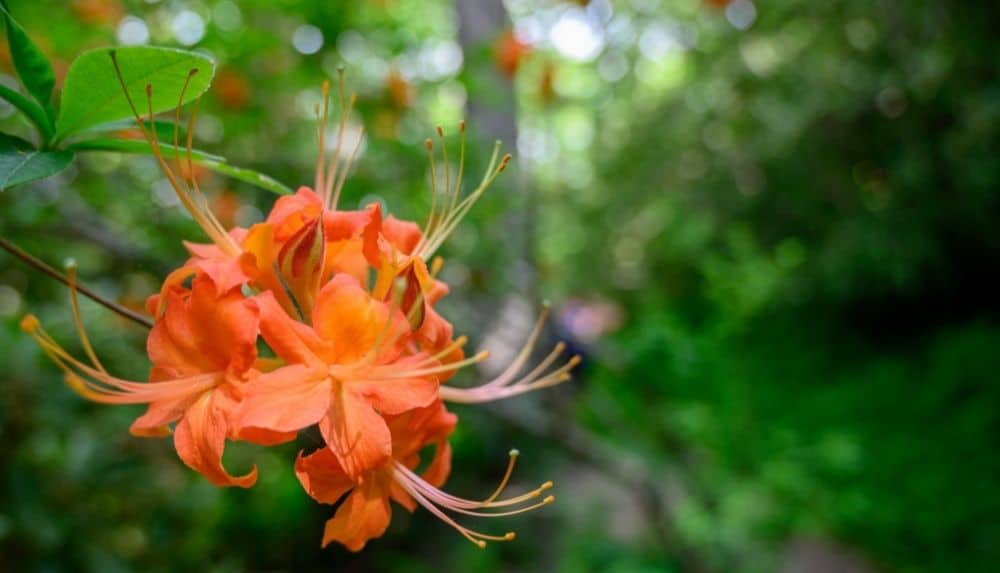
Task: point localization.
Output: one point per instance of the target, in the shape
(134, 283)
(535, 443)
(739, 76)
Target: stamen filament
(437, 501)
(81, 332)
(396, 374)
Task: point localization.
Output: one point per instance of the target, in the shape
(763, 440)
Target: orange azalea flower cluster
(345, 301)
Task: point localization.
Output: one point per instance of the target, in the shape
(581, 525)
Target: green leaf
(250, 176)
(29, 108)
(92, 94)
(20, 162)
(142, 147)
(33, 68)
(213, 162)
(164, 129)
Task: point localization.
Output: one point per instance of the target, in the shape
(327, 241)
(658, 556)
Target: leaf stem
(45, 268)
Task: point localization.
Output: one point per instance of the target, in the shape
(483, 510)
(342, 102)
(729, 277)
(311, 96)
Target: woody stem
(45, 268)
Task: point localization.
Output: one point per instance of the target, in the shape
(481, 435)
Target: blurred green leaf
(92, 94)
(20, 162)
(140, 146)
(248, 176)
(29, 108)
(164, 129)
(33, 68)
(213, 162)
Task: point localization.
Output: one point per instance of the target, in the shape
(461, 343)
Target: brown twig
(45, 268)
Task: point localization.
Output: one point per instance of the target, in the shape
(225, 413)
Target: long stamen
(81, 332)
(461, 167)
(321, 136)
(394, 373)
(345, 113)
(177, 119)
(347, 168)
(511, 462)
(437, 502)
(507, 384)
(99, 386)
(203, 216)
(434, 237)
(444, 159)
(431, 220)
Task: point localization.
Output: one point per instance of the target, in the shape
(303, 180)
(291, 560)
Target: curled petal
(200, 438)
(321, 476)
(364, 515)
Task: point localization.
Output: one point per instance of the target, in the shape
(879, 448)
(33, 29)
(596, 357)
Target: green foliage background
(795, 221)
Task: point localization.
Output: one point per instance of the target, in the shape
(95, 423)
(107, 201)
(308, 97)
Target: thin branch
(45, 268)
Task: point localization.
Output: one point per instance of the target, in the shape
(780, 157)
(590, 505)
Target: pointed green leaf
(30, 109)
(164, 130)
(213, 162)
(20, 162)
(92, 94)
(33, 68)
(142, 147)
(250, 176)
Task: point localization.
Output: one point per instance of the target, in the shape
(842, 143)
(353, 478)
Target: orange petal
(285, 400)
(226, 274)
(356, 434)
(200, 438)
(400, 496)
(404, 235)
(201, 333)
(341, 225)
(363, 516)
(291, 212)
(397, 396)
(154, 422)
(440, 467)
(291, 340)
(349, 318)
(321, 476)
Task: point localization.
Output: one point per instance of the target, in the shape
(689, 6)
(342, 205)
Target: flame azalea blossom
(365, 513)
(345, 301)
(203, 351)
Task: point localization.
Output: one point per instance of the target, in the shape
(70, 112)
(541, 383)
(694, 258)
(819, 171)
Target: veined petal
(321, 476)
(363, 516)
(356, 433)
(200, 438)
(284, 400)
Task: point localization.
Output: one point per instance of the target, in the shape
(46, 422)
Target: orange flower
(203, 351)
(366, 512)
(345, 300)
(342, 373)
